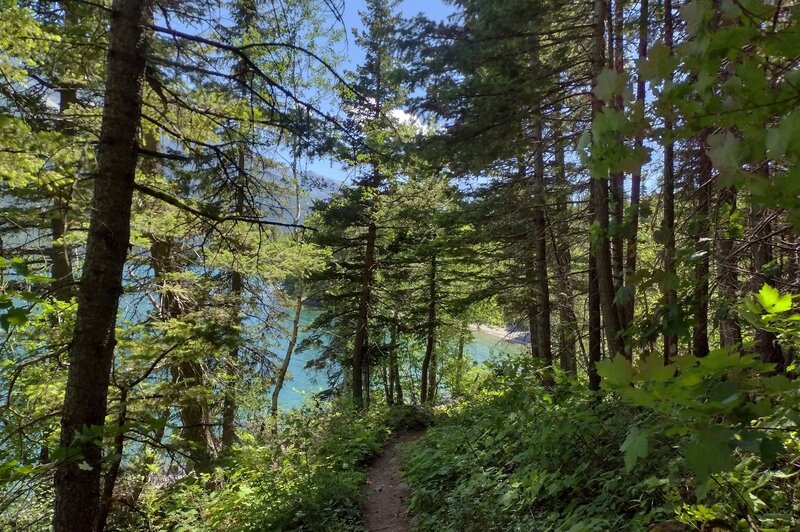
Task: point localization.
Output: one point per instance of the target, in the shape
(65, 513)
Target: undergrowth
(306, 475)
(517, 455)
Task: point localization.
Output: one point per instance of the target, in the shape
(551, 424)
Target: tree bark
(766, 341)
(394, 381)
(730, 333)
(700, 346)
(394, 366)
(61, 265)
(428, 373)
(543, 327)
(229, 405)
(112, 474)
(287, 358)
(669, 293)
(636, 179)
(595, 327)
(617, 183)
(600, 202)
(595, 305)
(362, 322)
(567, 320)
(77, 479)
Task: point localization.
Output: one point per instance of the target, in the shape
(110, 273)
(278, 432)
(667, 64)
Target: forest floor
(384, 506)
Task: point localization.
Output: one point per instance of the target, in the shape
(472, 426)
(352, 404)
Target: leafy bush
(521, 456)
(303, 477)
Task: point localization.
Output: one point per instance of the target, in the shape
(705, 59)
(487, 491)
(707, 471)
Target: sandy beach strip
(507, 334)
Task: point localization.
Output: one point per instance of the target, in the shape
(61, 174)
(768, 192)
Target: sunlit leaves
(772, 301)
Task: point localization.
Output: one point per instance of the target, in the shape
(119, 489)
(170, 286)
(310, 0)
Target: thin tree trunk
(669, 291)
(604, 270)
(729, 330)
(61, 265)
(595, 337)
(459, 366)
(766, 341)
(543, 331)
(112, 474)
(595, 328)
(600, 201)
(367, 378)
(700, 346)
(77, 480)
(393, 381)
(395, 366)
(567, 320)
(428, 372)
(617, 183)
(229, 406)
(636, 178)
(362, 322)
(287, 358)
(187, 375)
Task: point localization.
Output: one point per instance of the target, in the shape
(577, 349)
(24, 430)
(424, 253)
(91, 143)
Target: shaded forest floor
(386, 491)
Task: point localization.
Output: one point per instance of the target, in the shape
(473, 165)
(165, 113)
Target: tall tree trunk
(427, 381)
(61, 265)
(394, 381)
(543, 345)
(187, 375)
(669, 290)
(595, 306)
(367, 377)
(617, 183)
(604, 270)
(528, 260)
(730, 333)
(394, 365)
(362, 322)
(595, 328)
(231, 365)
(702, 237)
(567, 320)
(77, 479)
(459, 384)
(766, 341)
(636, 178)
(600, 202)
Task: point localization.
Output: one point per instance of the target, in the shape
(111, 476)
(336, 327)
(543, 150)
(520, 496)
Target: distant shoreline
(506, 334)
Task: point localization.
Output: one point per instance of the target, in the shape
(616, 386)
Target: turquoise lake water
(302, 383)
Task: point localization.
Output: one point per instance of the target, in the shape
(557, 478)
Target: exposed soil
(384, 507)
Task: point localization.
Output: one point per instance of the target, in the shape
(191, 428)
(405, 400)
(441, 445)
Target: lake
(302, 383)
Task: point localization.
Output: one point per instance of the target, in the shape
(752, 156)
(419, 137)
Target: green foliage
(518, 456)
(730, 418)
(304, 475)
(700, 440)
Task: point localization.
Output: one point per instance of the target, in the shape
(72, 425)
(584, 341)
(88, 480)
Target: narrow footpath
(384, 506)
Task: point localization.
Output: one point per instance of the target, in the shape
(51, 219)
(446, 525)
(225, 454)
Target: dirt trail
(384, 508)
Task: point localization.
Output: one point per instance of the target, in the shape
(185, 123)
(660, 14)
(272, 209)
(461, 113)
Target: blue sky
(432, 9)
